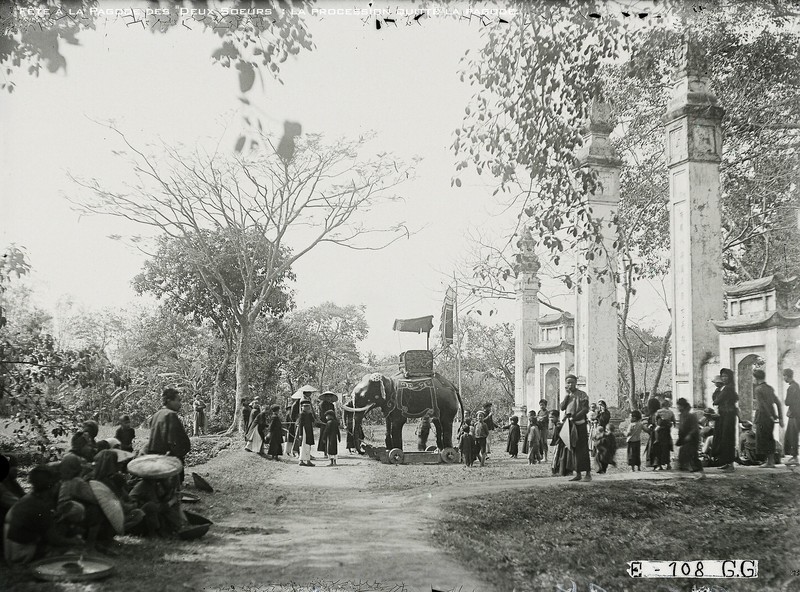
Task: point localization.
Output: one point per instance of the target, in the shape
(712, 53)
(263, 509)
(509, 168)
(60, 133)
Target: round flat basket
(155, 466)
(71, 568)
(396, 456)
(189, 498)
(197, 526)
(449, 455)
(110, 505)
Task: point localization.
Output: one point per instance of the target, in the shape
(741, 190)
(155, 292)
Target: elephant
(400, 398)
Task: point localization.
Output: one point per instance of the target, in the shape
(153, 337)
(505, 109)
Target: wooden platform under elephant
(428, 457)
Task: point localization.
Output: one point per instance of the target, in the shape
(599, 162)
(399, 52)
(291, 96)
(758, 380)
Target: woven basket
(155, 466)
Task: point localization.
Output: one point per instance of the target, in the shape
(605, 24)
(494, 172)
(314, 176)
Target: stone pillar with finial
(596, 358)
(527, 324)
(694, 151)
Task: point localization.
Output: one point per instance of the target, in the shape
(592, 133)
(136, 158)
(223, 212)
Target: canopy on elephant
(418, 325)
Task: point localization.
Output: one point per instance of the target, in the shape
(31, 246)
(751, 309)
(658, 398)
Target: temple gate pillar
(596, 357)
(693, 152)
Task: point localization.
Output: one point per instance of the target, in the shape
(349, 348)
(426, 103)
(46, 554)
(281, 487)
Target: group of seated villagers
(61, 513)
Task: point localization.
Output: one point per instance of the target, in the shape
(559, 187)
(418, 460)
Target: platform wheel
(396, 456)
(449, 455)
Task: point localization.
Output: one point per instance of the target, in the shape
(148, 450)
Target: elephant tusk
(358, 409)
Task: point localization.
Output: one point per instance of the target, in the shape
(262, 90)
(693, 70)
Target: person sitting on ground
(512, 446)
(90, 431)
(106, 471)
(10, 489)
(746, 454)
(466, 444)
(125, 433)
(31, 529)
(74, 492)
(688, 439)
(603, 449)
(159, 500)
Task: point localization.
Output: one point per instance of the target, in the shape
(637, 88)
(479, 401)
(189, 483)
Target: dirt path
(276, 522)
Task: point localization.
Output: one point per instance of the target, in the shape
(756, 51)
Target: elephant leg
(397, 432)
(389, 433)
(447, 432)
(438, 425)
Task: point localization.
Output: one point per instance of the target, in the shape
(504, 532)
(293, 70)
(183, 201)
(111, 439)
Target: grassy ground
(545, 538)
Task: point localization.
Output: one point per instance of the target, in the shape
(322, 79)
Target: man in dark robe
(167, 435)
(723, 447)
(766, 402)
(325, 405)
(576, 405)
(512, 445)
(792, 416)
(304, 433)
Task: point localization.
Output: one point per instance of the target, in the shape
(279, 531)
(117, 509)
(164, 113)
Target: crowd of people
(62, 511)
(295, 436)
(582, 435)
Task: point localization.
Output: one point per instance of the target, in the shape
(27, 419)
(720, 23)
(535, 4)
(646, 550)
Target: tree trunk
(222, 372)
(242, 376)
(664, 351)
(624, 333)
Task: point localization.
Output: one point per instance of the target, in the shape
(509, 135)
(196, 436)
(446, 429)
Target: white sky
(400, 82)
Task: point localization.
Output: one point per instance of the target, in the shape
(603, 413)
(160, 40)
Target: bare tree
(293, 198)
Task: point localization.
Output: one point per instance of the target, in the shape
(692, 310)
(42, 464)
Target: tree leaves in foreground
(31, 32)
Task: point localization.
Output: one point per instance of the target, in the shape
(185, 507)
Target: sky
(400, 83)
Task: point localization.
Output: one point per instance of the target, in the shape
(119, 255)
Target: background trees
(534, 85)
(273, 208)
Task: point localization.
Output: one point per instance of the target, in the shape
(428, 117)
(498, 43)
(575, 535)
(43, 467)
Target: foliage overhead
(31, 32)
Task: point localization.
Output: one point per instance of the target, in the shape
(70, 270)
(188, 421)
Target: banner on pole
(446, 323)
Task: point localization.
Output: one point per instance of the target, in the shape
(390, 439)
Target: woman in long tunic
(330, 437)
(275, 434)
(324, 407)
(651, 451)
(255, 431)
(723, 448)
(543, 419)
(528, 441)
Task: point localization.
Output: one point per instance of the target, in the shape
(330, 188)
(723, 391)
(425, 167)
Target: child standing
(534, 448)
(481, 434)
(513, 437)
(688, 439)
(466, 444)
(634, 440)
(125, 434)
